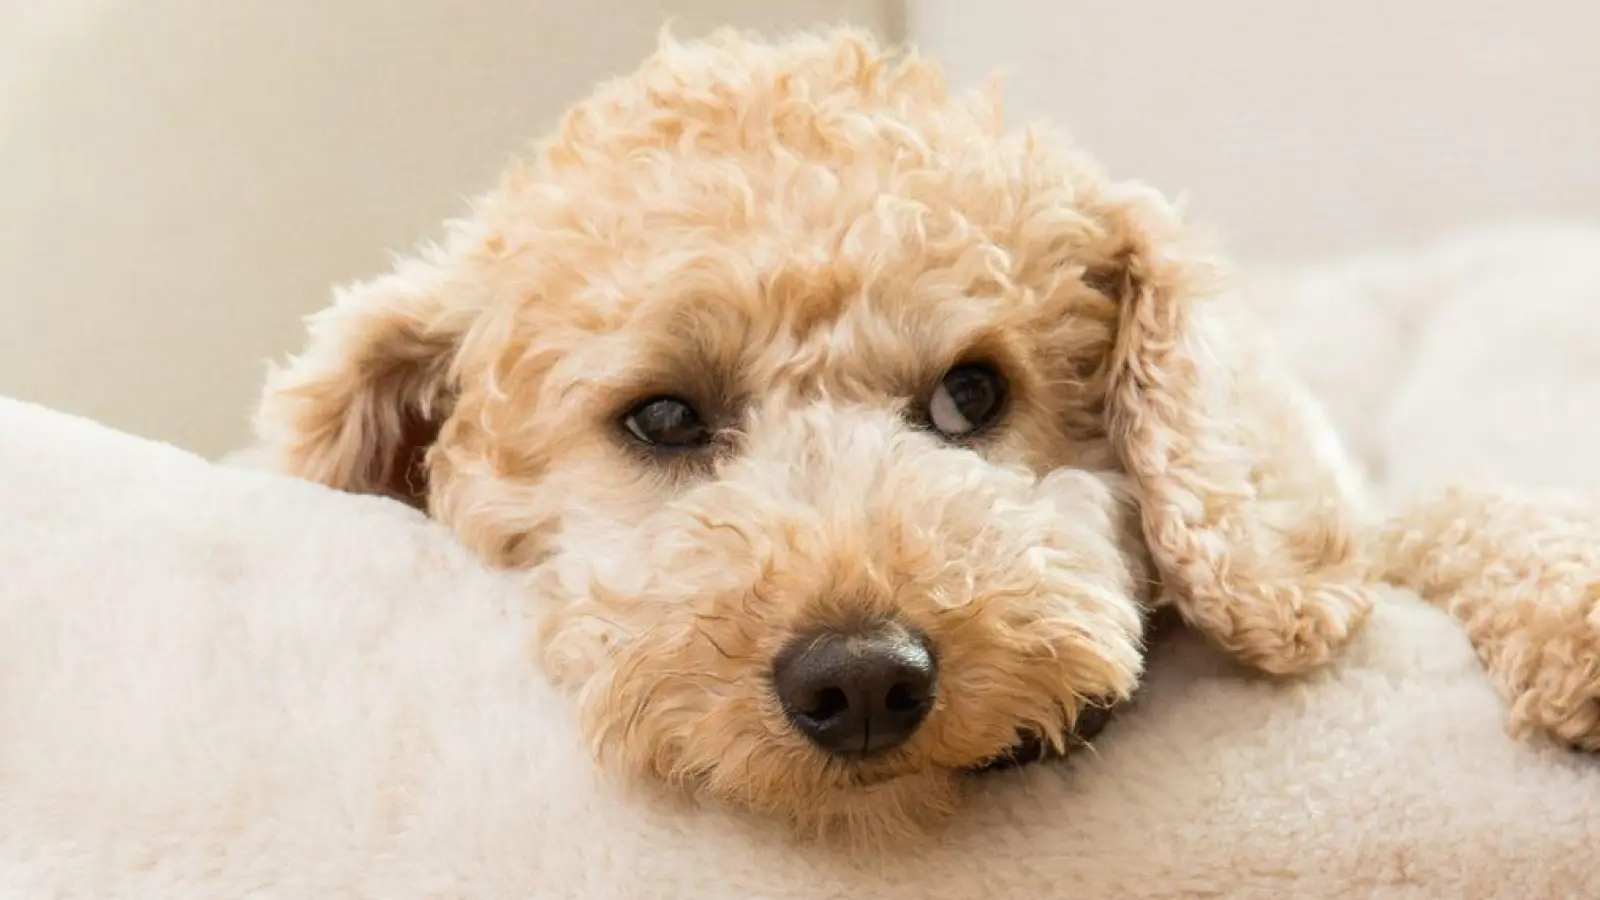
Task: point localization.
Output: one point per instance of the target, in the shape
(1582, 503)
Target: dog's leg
(1522, 575)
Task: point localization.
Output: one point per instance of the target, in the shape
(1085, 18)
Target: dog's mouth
(1092, 718)
(1032, 748)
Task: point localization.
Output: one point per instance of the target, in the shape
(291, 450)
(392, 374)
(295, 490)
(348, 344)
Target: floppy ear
(359, 408)
(1252, 514)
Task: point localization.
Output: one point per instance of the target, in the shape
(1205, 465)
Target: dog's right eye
(667, 422)
(968, 399)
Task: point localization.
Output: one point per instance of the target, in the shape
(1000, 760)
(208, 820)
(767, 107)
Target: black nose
(856, 694)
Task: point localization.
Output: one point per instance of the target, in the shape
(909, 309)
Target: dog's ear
(1251, 515)
(360, 406)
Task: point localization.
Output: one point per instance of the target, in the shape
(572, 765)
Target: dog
(848, 438)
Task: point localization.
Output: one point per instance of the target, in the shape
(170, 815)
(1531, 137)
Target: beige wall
(181, 180)
(1306, 128)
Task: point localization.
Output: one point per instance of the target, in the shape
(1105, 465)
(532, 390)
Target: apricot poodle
(849, 437)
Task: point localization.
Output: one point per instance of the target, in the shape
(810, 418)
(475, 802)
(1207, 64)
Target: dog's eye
(969, 398)
(667, 422)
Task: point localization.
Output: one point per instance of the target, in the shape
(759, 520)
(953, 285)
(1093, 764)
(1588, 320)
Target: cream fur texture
(802, 239)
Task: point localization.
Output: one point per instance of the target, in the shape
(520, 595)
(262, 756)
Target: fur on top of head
(772, 340)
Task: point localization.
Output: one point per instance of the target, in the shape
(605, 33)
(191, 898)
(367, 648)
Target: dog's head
(835, 424)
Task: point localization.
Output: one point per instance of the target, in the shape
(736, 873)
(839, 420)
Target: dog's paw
(1552, 683)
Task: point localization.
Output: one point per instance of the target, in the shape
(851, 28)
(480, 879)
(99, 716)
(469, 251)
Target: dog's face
(785, 377)
(795, 427)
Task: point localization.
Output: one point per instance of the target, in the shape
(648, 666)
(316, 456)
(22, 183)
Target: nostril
(824, 704)
(905, 698)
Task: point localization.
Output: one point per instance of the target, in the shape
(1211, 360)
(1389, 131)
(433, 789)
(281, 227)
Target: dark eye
(667, 422)
(969, 398)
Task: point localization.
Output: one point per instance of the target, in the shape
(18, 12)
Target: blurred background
(182, 180)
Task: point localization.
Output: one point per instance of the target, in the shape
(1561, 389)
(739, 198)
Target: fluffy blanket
(216, 682)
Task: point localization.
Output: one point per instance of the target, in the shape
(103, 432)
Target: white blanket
(220, 683)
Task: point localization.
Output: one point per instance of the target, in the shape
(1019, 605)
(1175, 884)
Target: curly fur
(804, 236)
(1521, 571)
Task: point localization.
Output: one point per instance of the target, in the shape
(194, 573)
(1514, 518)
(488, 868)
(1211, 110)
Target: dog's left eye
(667, 422)
(967, 399)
